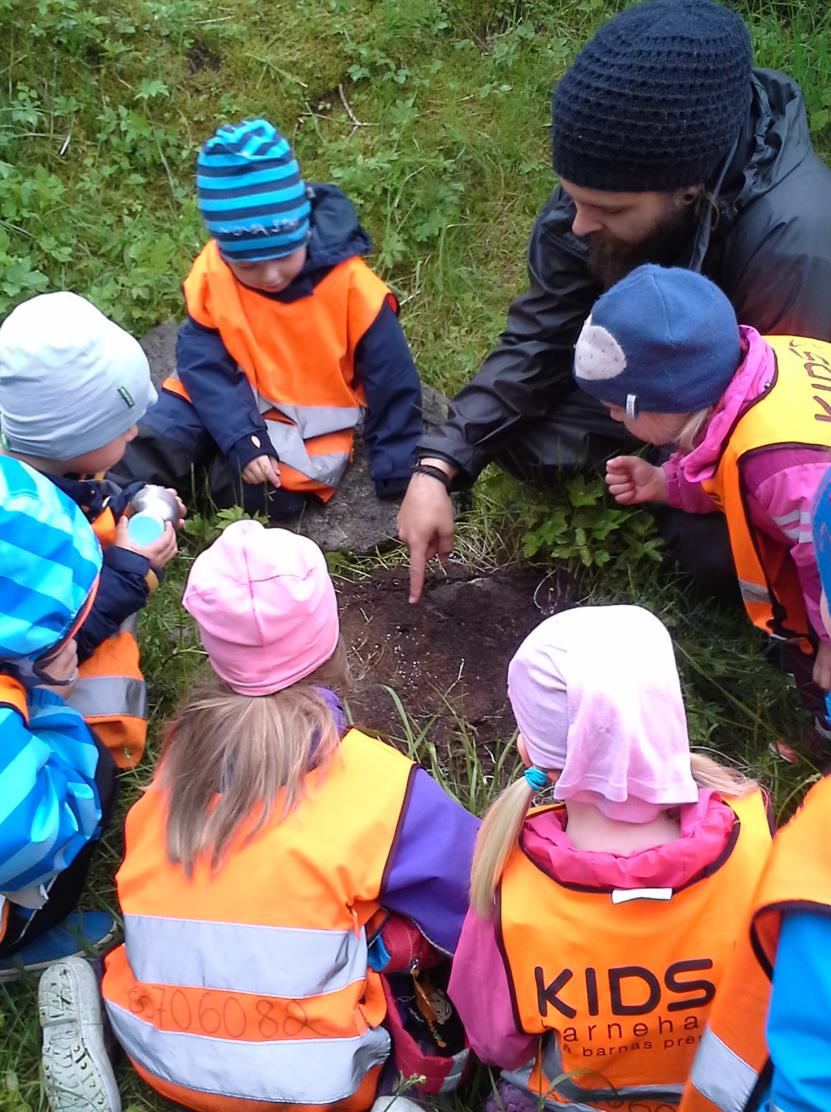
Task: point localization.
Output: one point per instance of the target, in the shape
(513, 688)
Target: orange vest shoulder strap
(798, 873)
(752, 809)
(13, 694)
(367, 753)
(207, 267)
(104, 528)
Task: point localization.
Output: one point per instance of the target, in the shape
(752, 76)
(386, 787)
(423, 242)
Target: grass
(432, 115)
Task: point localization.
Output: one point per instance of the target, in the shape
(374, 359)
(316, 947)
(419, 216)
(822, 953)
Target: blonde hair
(688, 436)
(227, 756)
(501, 826)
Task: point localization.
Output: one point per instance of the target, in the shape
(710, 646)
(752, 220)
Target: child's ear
(523, 751)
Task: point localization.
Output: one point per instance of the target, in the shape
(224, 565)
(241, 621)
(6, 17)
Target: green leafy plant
(587, 529)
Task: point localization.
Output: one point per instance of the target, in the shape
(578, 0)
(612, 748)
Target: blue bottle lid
(145, 528)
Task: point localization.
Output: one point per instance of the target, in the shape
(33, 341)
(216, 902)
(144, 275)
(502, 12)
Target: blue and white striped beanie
(251, 195)
(50, 561)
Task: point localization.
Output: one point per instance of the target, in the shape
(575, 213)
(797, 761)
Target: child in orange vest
(73, 385)
(750, 421)
(600, 926)
(270, 845)
(768, 1047)
(289, 342)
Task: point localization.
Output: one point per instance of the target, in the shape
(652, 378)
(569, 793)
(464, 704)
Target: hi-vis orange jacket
(248, 988)
(301, 366)
(795, 411)
(622, 981)
(733, 1054)
(111, 692)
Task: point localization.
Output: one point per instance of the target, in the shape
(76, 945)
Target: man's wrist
(437, 473)
(449, 469)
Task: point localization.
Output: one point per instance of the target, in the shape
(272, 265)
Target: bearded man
(670, 149)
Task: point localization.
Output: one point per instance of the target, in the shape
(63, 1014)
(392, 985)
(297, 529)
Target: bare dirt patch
(447, 657)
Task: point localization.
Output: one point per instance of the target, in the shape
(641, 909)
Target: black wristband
(433, 472)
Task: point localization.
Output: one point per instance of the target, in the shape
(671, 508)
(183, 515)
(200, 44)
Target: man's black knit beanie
(655, 100)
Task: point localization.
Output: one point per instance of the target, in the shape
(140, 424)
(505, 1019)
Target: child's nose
(274, 273)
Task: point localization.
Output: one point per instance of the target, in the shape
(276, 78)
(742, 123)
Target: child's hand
(631, 479)
(822, 667)
(59, 673)
(263, 469)
(183, 510)
(159, 552)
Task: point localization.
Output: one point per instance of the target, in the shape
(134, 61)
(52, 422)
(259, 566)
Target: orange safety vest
(793, 411)
(621, 980)
(733, 1053)
(111, 693)
(12, 694)
(299, 358)
(248, 987)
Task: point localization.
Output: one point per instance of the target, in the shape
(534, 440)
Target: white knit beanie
(71, 380)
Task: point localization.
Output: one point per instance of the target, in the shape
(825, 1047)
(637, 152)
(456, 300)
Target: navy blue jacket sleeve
(122, 590)
(221, 394)
(799, 1039)
(392, 424)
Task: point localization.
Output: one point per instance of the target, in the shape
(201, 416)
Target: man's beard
(609, 259)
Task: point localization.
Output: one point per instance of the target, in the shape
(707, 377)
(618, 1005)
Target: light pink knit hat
(265, 607)
(596, 694)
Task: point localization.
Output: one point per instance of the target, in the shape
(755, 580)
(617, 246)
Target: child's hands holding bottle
(631, 479)
(262, 469)
(159, 552)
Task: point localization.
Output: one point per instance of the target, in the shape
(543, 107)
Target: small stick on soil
(356, 123)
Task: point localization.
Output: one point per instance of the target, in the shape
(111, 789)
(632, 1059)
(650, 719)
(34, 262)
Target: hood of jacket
(774, 141)
(336, 231)
(51, 563)
(751, 378)
(706, 827)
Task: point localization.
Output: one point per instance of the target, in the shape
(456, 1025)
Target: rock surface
(355, 520)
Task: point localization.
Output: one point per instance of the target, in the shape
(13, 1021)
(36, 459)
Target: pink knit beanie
(265, 607)
(596, 695)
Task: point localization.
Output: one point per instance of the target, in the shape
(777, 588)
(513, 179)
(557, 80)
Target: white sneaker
(77, 1073)
(395, 1104)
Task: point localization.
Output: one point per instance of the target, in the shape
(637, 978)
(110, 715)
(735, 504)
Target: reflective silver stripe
(790, 518)
(575, 1095)
(130, 625)
(454, 1078)
(268, 961)
(796, 525)
(290, 447)
(720, 1075)
(296, 1071)
(315, 420)
(110, 696)
(521, 1078)
(753, 592)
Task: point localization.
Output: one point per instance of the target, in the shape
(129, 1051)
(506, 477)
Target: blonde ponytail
(502, 824)
(497, 836)
(708, 773)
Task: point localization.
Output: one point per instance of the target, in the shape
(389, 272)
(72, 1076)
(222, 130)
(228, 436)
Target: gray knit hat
(71, 380)
(655, 100)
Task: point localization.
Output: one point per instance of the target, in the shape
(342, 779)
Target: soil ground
(446, 657)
